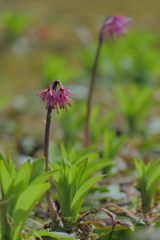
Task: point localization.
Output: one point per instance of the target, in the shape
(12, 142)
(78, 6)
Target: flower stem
(47, 137)
(51, 204)
(89, 100)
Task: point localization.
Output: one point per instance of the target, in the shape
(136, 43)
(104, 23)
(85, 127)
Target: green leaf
(6, 180)
(72, 180)
(24, 205)
(64, 196)
(57, 235)
(65, 166)
(92, 168)
(80, 194)
(108, 142)
(148, 177)
(6, 186)
(43, 177)
(22, 177)
(139, 166)
(72, 174)
(11, 167)
(81, 171)
(38, 167)
(2, 157)
(64, 151)
(154, 178)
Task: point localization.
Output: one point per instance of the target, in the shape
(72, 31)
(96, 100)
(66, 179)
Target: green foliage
(13, 23)
(126, 61)
(134, 61)
(97, 130)
(56, 66)
(72, 122)
(133, 102)
(148, 176)
(112, 143)
(71, 189)
(20, 191)
(53, 235)
(91, 160)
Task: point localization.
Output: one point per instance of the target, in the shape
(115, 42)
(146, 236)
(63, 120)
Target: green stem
(89, 100)
(51, 204)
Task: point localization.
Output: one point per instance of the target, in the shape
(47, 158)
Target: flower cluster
(56, 97)
(115, 24)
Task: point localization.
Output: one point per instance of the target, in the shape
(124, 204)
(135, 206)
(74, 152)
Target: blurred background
(44, 40)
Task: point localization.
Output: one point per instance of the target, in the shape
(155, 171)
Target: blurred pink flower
(46, 93)
(55, 97)
(63, 96)
(115, 24)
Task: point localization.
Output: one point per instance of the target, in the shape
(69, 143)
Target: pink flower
(115, 24)
(63, 96)
(46, 93)
(56, 98)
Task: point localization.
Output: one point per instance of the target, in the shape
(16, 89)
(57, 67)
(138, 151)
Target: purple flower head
(56, 96)
(115, 25)
(46, 93)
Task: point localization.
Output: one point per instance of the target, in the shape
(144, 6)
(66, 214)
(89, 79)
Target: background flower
(115, 24)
